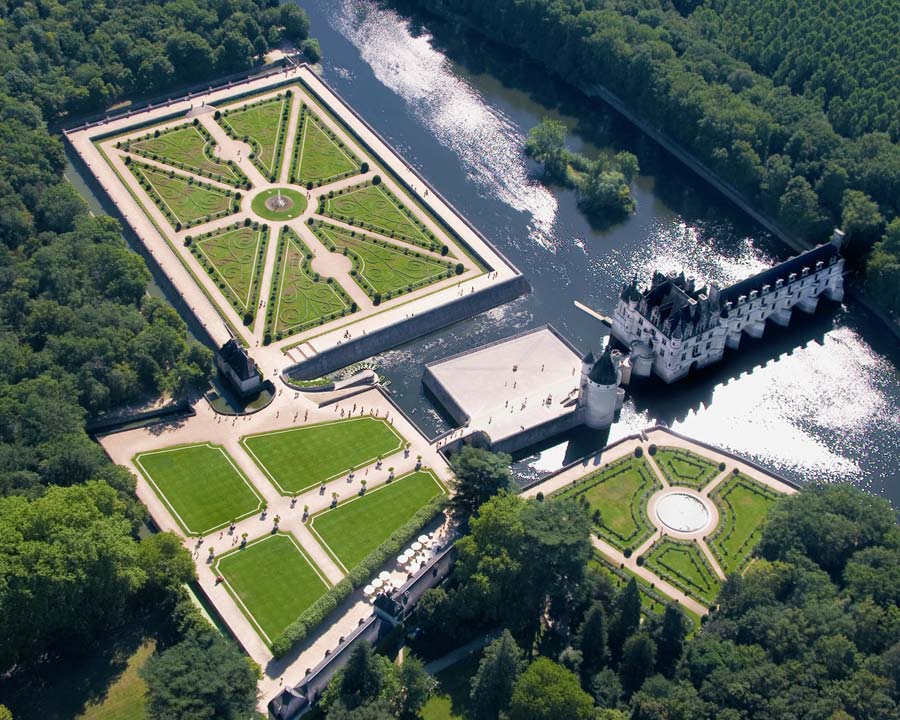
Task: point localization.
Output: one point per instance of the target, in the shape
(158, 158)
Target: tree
(606, 688)
(365, 678)
(547, 691)
(670, 644)
(592, 639)
(58, 207)
(638, 660)
(800, 210)
(627, 616)
(492, 685)
(295, 22)
(5, 713)
(167, 562)
(861, 221)
(203, 677)
(479, 476)
(417, 686)
(547, 144)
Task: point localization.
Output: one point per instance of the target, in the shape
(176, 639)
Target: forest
(80, 336)
(811, 629)
(762, 124)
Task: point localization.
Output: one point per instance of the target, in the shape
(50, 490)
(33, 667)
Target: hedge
(356, 578)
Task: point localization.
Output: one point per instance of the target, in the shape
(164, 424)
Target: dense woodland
(756, 112)
(80, 336)
(811, 630)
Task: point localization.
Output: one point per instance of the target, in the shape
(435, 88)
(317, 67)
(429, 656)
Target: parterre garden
(682, 563)
(684, 468)
(184, 168)
(743, 504)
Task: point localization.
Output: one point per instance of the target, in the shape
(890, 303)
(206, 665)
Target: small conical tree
(498, 671)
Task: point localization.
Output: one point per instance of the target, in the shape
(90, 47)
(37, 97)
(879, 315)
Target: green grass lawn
(236, 256)
(743, 505)
(300, 458)
(620, 493)
(377, 208)
(301, 298)
(451, 702)
(200, 484)
(272, 581)
(684, 565)
(356, 527)
(183, 201)
(297, 204)
(126, 698)
(684, 468)
(318, 155)
(264, 125)
(382, 268)
(191, 147)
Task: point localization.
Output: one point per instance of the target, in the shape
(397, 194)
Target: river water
(818, 401)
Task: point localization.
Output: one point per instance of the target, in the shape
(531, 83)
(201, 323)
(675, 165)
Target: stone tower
(600, 395)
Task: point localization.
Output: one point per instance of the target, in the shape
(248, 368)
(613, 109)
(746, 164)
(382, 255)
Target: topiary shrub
(364, 168)
(639, 451)
(376, 180)
(721, 467)
(460, 268)
(627, 552)
(652, 449)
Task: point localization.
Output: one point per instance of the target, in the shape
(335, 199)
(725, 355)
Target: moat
(818, 400)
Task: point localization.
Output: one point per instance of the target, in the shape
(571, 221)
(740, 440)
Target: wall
(366, 346)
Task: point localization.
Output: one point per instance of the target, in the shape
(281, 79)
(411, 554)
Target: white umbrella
(384, 575)
(423, 539)
(401, 559)
(417, 546)
(376, 583)
(368, 590)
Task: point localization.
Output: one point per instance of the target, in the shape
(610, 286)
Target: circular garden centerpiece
(279, 204)
(682, 512)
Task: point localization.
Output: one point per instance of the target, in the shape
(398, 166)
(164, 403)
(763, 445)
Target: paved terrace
(503, 388)
(288, 409)
(660, 437)
(173, 257)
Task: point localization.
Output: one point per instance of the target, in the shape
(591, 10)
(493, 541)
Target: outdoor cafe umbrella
(384, 576)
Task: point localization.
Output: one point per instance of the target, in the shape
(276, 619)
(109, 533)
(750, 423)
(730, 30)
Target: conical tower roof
(604, 371)
(589, 358)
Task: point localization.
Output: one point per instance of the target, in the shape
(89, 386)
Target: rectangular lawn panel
(619, 492)
(200, 484)
(381, 268)
(684, 468)
(743, 505)
(263, 124)
(376, 208)
(301, 299)
(183, 200)
(319, 156)
(356, 527)
(188, 147)
(235, 256)
(684, 566)
(302, 457)
(273, 582)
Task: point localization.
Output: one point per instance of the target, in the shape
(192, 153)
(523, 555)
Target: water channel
(818, 401)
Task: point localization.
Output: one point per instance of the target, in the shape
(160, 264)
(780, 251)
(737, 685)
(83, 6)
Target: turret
(599, 390)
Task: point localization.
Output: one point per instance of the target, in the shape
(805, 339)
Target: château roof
(589, 358)
(604, 371)
(238, 360)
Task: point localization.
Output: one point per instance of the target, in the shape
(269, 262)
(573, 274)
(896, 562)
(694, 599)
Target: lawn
(294, 207)
(189, 147)
(200, 484)
(183, 200)
(451, 702)
(743, 505)
(263, 125)
(684, 565)
(236, 257)
(620, 492)
(301, 298)
(684, 468)
(382, 268)
(272, 581)
(319, 156)
(303, 457)
(356, 527)
(374, 207)
(126, 698)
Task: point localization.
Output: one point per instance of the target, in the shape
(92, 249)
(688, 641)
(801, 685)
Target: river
(818, 401)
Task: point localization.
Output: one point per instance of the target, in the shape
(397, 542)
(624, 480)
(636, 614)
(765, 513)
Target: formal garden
(234, 257)
(682, 563)
(358, 525)
(683, 468)
(200, 485)
(300, 297)
(301, 458)
(272, 580)
(617, 496)
(319, 156)
(263, 126)
(382, 269)
(743, 504)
